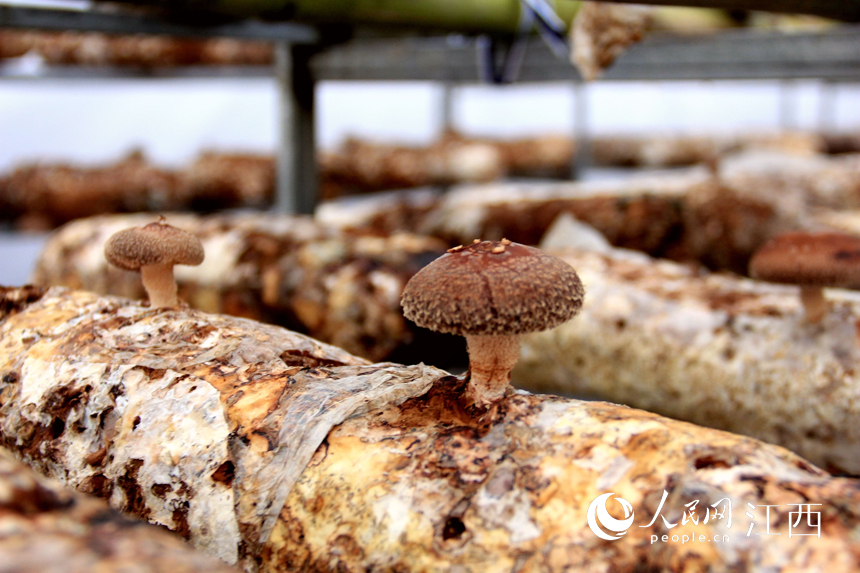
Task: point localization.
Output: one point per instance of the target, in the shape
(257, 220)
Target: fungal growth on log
(275, 452)
(153, 250)
(492, 292)
(813, 261)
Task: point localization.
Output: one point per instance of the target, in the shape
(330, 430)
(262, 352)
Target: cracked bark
(347, 465)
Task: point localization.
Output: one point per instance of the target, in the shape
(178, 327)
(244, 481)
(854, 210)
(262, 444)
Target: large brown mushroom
(813, 261)
(153, 250)
(491, 293)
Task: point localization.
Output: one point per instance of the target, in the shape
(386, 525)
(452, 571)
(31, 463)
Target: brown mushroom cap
(493, 288)
(809, 259)
(153, 244)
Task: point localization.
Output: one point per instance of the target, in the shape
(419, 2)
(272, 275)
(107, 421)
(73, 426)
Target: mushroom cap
(153, 244)
(493, 288)
(809, 259)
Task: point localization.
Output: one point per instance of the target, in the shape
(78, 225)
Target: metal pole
(581, 131)
(296, 190)
(827, 93)
(447, 107)
(787, 105)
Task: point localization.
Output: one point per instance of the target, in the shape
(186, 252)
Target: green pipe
(453, 15)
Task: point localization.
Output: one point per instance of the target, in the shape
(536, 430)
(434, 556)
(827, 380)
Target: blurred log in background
(45, 195)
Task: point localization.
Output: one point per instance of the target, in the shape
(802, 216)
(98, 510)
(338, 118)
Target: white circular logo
(598, 516)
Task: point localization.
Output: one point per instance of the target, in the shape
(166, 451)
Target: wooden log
(341, 287)
(601, 32)
(713, 349)
(137, 51)
(360, 166)
(668, 150)
(47, 528)
(45, 195)
(283, 454)
(693, 215)
(688, 216)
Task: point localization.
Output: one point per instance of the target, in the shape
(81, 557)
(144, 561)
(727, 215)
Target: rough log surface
(716, 219)
(340, 287)
(687, 215)
(198, 422)
(47, 528)
(44, 196)
(97, 49)
(712, 349)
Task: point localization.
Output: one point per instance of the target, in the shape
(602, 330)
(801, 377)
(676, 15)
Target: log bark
(44, 196)
(341, 287)
(673, 150)
(360, 166)
(601, 32)
(714, 219)
(47, 195)
(283, 454)
(686, 216)
(713, 349)
(138, 51)
(47, 528)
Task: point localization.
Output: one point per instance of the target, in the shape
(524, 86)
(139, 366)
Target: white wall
(91, 121)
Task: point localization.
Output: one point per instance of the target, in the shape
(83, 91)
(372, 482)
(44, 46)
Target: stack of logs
(97, 49)
(38, 197)
(339, 278)
(41, 196)
(276, 452)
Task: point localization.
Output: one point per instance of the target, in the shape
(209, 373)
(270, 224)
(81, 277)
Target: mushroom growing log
(47, 528)
(685, 215)
(713, 349)
(283, 454)
(339, 286)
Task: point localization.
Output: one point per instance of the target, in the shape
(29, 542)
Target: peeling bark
(338, 286)
(712, 349)
(46, 528)
(351, 466)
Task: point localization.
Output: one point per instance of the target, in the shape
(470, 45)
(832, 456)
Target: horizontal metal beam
(731, 54)
(845, 10)
(133, 23)
(738, 54)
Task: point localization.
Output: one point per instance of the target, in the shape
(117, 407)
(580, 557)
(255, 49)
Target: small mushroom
(491, 293)
(813, 261)
(153, 250)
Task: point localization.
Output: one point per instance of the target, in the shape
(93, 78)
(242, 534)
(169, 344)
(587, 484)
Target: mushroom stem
(491, 359)
(815, 306)
(159, 284)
